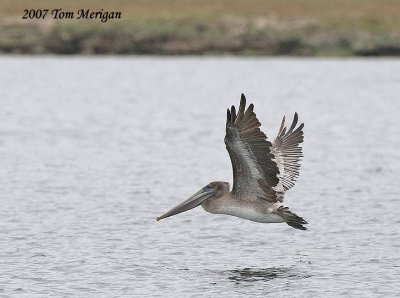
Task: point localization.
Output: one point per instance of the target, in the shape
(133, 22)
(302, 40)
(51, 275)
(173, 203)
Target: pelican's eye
(207, 187)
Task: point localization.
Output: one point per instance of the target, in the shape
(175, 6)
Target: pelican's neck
(217, 205)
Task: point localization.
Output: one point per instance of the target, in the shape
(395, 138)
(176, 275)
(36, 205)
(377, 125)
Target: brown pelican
(262, 172)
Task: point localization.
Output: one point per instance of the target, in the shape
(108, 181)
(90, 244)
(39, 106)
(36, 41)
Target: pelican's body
(262, 172)
(254, 211)
(227, 203)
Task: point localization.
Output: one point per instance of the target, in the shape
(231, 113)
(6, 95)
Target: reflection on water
(264, 274)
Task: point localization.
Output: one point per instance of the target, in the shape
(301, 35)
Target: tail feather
(292, 219)
(296, 225)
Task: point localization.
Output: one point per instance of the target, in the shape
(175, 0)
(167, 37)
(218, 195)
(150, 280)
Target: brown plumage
(262, 172)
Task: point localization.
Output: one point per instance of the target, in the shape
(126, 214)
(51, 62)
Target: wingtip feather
(294, 123)
(251, 107)
(282, 126)
(233, 114)
(242, 105)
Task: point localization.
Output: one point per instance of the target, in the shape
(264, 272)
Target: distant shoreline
(202, 27)
(191, 39)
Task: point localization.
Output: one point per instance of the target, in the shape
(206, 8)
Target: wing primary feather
(242, 106)
(233, 112)
(282, 126)
(248, 113)
(228, 116)
(251, 156)
(242, 103)
(295, 119)
(288, 153)
(299, 128)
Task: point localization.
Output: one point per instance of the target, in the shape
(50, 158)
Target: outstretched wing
(254, 169)
(288, 153)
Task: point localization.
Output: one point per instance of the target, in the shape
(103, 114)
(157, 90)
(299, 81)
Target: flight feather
(255, 173)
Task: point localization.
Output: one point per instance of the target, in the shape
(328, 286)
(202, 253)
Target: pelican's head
(211, 191)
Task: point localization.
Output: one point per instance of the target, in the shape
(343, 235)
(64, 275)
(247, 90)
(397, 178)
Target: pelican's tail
(292, 219)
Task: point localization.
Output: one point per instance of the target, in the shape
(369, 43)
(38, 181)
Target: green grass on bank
(260, 27)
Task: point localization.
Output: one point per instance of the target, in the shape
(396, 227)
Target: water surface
(93, 149)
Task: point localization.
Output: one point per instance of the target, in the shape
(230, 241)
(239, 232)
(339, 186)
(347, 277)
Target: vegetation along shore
(167, 27)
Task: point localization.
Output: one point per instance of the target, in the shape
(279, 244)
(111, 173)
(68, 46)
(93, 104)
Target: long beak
(194, 201)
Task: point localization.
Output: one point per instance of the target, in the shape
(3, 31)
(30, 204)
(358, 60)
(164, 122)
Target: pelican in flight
(262, 172)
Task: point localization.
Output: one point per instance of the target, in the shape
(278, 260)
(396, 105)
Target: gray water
(93, 149)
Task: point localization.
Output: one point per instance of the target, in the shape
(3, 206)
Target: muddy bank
(188, 37)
